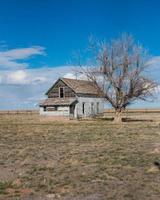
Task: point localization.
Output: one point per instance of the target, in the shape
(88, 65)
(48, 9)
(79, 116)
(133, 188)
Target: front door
(72, 108)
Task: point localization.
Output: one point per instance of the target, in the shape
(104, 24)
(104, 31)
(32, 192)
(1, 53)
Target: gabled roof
(79, 86)
(58, 102)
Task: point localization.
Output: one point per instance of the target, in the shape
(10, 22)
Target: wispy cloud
(70, 75)
(13, 59)
(154, 69)
(154, 61)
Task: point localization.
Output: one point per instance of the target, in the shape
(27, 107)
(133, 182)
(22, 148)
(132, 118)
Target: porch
(58, 107)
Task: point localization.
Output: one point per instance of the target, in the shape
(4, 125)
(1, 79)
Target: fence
(105, 111)
(18, 112)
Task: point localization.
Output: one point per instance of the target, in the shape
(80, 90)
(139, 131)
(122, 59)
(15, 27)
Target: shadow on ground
(126, 119)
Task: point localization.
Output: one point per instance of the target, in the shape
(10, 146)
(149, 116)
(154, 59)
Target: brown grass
(85, 160)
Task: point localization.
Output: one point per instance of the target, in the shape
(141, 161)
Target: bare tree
(120, 73)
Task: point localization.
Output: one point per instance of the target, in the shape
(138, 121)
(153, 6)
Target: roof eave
(58, 104)
(89, 94)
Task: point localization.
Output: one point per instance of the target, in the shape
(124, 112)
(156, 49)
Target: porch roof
(58, 102)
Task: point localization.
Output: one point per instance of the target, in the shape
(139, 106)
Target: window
(50, 109)
(44, 108)
(92, 108)
(97, 107)
(83, 104)
(61, 92)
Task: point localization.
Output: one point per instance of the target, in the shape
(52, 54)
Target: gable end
(53, 92)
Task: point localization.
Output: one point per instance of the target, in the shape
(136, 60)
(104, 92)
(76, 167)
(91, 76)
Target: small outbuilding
(72, 98)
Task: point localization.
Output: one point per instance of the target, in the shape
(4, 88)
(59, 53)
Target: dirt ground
(47, 159)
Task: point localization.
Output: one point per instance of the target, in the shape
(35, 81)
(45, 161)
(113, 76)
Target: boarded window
(61, 92)
(83, 106)
(49, 109)
(92, 108)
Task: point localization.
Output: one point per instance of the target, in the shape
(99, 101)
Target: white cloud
(11, 58)
(157, 90)
(34, 75)
(70, 75)
(154, 67)
(39, 79)
(75, 76)
(21, 86)
(154, 61)
(17, 77)
(23, 89)
(23, 77)
(5, 63)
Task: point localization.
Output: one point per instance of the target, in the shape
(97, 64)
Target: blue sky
(38, 39)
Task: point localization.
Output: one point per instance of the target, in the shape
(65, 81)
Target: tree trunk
(118, 117)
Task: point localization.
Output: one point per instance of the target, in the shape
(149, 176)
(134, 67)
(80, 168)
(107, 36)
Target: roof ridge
(78, 86)
(76, 79)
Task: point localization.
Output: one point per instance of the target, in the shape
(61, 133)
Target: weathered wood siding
(61, 111)
(54, 92)
(92, 107)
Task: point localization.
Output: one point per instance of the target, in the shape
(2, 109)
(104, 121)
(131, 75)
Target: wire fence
(105, 111)
(18, 112)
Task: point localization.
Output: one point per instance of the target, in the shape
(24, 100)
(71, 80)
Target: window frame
(45, 108)
(98, 107)
(60, 92)
(92, 108)
(83, 108)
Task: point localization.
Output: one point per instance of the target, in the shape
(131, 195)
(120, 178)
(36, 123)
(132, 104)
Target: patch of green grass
(4, 186)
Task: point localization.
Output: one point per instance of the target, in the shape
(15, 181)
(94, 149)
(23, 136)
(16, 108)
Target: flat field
(44, 159)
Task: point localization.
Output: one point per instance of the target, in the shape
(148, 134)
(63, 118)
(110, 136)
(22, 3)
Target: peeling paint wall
(86, 107)
(92, 106)
(61, 111)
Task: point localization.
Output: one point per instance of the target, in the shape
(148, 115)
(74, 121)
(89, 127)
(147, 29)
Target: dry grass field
(43, 159)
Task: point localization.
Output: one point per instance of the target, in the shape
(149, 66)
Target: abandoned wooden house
(72, 98)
